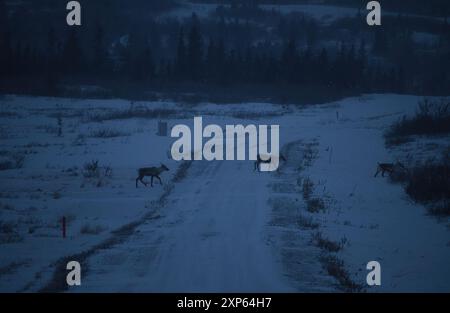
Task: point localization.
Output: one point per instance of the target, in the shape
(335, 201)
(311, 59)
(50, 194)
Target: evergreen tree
(52, 62)
(181, 56)
(5, 54)
(99, 53)
(143, 66)
(362, 64)
(323, 65)
(220, 60)
(195, 51)
(380, 44)
(72, 55)
(211, 60)
(289, 61)
(5, 44)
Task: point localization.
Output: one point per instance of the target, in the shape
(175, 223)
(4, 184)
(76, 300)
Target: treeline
(198, 60)
(202, 57)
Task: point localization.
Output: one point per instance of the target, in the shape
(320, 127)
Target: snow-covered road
(215, 234)
(210, 237)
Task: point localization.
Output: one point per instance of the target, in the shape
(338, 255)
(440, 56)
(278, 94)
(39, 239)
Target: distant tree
(17, 59)
(323, 68)
(340, 77)
(72, 55)
(352, 69)
(220, 63)
(289, 59)
(380, 44)
(311, 32)
(26, 63)
(52, 62)
(143, 68)
(362, 64)
(248, 65)
(5, 53)
(181, 58)
(100, 55)
(401, 80)
(211, 60)
(51, 43)
(3, 20)
(133, 55)
(194, 51)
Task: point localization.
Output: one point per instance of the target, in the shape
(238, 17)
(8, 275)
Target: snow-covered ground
(185, 10)
(223, 227)
(323, 13)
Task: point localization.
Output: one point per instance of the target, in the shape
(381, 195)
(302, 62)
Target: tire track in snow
(57, 282)
(211, 238)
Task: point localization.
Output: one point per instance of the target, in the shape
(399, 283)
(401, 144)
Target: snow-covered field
(222, 227)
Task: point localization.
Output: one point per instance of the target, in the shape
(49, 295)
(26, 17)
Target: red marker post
(64, 227)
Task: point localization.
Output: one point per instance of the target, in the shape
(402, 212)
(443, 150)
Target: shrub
(11, 267)
(6, 165)
(12, 161)
(440, 209)
(99, 174)
(134, 112)
(335, 267)
(307, 222)
(327, 244)
(7, 227)
(106, 133)
(91, 230)
(9, 233)
(246, 115)
(18, 160)
(8, 114)
(431, 118)
(429, 182)
(59, 122)
(181, 171)
(399, 175)
(56, 195)
(7, 207)
(91, 169)
(307, 188)
(315, 205)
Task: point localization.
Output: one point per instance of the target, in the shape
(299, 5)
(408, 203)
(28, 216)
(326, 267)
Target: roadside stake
(64, 227)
